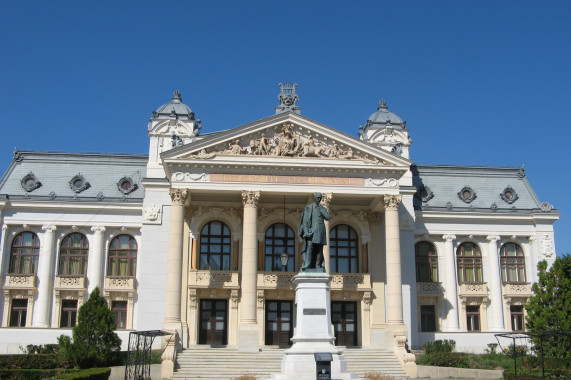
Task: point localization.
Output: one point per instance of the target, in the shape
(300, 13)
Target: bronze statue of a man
(312, 231)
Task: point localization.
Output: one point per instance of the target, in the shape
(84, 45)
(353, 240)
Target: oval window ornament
(78, 183)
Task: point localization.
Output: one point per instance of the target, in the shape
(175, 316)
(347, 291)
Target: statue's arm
(324, 213)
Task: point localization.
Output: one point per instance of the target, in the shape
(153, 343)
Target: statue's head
(317, 197)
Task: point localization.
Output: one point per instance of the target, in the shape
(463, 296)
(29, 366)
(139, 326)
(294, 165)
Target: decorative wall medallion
(494, 207)
(126, 185)
(467, 194)
(509, 195)
(152, 213)
(385, 182)
(547, 246)
(397, 149)
(52, 195)
(100, 196)
(30, 182)
(449, 206)
(187, 177)
(424, 194)
(78, 183)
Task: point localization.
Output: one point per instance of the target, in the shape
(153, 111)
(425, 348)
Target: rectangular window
(427, 318)
(473, 318)
(68, 313)
(518, 320)
(120, 311)
(18, 313)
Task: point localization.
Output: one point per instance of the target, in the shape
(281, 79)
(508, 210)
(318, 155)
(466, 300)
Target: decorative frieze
(517, 290)
(473, 289)
(273, 280)
(384, 182)
(357, 281)
(70, 282)
(429, 288)
(119, 284)
(20, 281)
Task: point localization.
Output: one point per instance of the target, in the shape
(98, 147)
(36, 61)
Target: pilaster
(45, 275)
(496, 312)
(96, 260)
(451, 284)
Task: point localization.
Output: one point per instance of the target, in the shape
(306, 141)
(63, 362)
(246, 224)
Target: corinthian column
(496, 310)
(45, 276)
(96, 264)
(451, 292)
(174, 270)
(248, 330)
(394, 277)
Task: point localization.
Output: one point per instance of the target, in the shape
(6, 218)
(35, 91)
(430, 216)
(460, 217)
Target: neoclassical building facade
(200, 236)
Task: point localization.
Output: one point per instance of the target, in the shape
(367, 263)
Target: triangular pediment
(285, 136)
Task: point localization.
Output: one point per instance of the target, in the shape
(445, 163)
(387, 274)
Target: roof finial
(176, 96)
(382, 104)
(287, 98)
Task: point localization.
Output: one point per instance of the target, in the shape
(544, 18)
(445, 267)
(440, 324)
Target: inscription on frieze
(288, 179)
(313, 311)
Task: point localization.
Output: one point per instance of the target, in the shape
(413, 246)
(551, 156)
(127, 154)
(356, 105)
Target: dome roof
(383, 115)
(174, 107)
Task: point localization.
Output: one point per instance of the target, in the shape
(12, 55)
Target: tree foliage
(549, 309)
(95, 342)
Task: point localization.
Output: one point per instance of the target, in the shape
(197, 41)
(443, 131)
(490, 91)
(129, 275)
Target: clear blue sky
(479, 82)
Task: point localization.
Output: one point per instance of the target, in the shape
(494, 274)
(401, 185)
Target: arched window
(512, 262)
(24, 253)
(469, 260)
(73, 255)
(426, 262)
(215, 246)
(344, 249)
(122, 256)
(279, 239)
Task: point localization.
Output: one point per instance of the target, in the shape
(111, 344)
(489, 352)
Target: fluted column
(394, 276)
(45, 276)
(496, 309)
(325, 202)
(451, 285)
(174, 269)
(248, 329)
(96, 262)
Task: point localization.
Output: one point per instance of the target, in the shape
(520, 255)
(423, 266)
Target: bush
(423, 360)
(449, 359)
(39, 361)
(48, 349)
(87, 374)
(95, 342)
(445, 345)
(509, 374)
(519, 351)
(27, 374)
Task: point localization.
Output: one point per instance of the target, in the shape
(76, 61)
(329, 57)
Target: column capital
(492, 238)
(250, 198)
(178, 196)
(392, 202)
(49, 228)
(98, 229)
(449, 237)
(532, 239)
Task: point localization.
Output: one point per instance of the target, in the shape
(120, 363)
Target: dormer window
(30, 182)
(467, 194)
(509, 195)
(126, 185)
(78, 183)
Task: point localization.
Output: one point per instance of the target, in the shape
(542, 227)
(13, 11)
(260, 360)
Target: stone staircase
(229, 363)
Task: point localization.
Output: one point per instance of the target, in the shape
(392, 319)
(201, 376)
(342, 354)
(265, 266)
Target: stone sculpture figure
(313, 232)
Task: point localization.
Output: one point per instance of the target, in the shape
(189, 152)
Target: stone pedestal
(312, 333)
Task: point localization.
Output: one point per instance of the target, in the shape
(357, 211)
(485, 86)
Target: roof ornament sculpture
(288, 98)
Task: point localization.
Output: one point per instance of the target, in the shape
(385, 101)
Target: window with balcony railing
(469, 260)
(512, 262)
(215, 246)
(344, 249)
(122, 256)
(73, 255)
(24, 253)
(279, 239)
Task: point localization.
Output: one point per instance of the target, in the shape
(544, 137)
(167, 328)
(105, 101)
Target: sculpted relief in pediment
(287, 142)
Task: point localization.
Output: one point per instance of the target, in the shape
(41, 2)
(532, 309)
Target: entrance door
(213, 322)
(278, 323)
(344, 318)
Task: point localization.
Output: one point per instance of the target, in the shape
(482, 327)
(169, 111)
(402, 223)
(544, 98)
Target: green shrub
(27, 374)
(86, 374)
(48, 349)
(423, 360)
(445, 345)
(519, 351)
(38, 361)
(509, 374)
(449, 359)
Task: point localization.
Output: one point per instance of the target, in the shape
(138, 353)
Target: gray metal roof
(379, 119)
(54, 171)
(174, 107)
(443, 184)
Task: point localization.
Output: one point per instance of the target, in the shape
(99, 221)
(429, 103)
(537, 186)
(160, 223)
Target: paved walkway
(118, 373)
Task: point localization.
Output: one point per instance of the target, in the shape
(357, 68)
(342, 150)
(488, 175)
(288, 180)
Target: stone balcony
(213, 279)
(119, 284)
(340, 281)
(20, 281)
(429, 289)
(517, 290)
(70, 283)
(473, 289)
